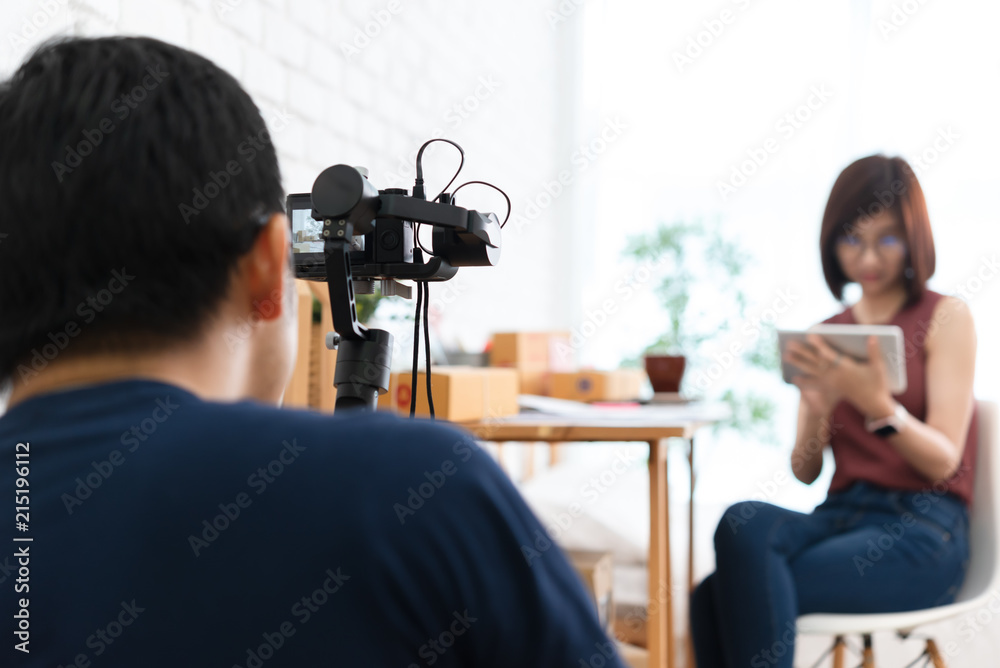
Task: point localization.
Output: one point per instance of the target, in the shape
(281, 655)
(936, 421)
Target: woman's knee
(745, 522)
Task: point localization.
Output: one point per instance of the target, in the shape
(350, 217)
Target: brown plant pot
(665, 372)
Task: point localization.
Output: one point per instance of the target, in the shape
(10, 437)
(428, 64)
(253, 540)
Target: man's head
(142, 206)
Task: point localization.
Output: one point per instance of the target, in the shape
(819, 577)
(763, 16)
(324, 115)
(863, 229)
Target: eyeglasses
(887, 246)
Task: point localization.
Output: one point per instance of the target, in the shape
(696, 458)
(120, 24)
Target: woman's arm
(812, 436)
(814, 430)
(934, 447)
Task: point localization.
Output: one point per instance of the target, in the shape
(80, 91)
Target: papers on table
(536, 409)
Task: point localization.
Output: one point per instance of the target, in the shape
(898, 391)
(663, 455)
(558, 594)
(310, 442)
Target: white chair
(982, 579)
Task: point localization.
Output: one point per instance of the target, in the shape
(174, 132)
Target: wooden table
(649, 424)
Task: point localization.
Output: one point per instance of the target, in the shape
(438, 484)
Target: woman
(892, 534)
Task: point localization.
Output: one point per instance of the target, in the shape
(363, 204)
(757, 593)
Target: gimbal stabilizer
(349, 234)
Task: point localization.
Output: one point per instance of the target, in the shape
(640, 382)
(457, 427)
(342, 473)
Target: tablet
(852, 340)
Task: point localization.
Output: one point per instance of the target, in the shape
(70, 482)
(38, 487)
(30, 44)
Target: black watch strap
(887, 430)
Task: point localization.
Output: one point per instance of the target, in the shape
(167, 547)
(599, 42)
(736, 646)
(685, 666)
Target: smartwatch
(887, 426)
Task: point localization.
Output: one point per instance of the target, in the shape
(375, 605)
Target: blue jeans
(865, 549)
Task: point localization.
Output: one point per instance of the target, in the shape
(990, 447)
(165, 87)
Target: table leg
(554, 453)
(660, 616)
(528, 470)
(688, 643)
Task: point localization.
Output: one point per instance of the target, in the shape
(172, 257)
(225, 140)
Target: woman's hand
(820, 399)
(831, 376)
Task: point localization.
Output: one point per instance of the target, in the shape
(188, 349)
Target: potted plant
(697, 280)
(665, 359)
(665, 371)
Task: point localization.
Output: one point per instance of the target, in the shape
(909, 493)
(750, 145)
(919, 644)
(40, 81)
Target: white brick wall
(414, 63)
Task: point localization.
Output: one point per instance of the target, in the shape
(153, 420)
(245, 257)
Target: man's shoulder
(389, 464)
(357, 435)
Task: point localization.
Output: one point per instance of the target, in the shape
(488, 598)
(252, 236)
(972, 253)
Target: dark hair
(133, 177)
(867, 187)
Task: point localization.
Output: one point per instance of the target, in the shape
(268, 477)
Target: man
(163, 518)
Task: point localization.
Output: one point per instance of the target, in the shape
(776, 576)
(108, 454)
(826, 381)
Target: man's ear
(266, 268)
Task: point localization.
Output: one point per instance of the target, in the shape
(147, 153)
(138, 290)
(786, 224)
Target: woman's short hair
(866, 188)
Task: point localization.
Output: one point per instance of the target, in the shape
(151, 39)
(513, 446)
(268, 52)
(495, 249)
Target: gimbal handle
(364, 356)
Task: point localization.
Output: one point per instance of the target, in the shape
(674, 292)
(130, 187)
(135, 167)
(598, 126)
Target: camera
(383, 234)
(349, 234)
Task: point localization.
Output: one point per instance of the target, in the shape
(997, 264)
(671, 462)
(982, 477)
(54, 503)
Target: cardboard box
(562, 354)
(630, 624)
(634, 657)
(618, 385)
(528, 351)
(535, 355)
(533, 351)
(322, 360)
(533, 382)
(461, 394)
(595, 569)
(297, 390)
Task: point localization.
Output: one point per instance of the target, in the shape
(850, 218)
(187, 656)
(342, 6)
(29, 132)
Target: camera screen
(306, 232)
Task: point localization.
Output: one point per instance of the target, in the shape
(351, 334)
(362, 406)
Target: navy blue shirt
(171, 531)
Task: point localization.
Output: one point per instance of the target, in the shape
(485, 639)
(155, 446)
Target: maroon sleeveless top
(860, 455)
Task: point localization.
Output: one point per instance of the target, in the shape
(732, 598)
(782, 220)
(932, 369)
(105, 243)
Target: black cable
(427, 346)
(418, 186)
(416, 235)
(469, 183)
(416, 354)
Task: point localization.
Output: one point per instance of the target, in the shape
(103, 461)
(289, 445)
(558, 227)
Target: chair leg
(932, 651)
(868, 657)
(838, 652)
